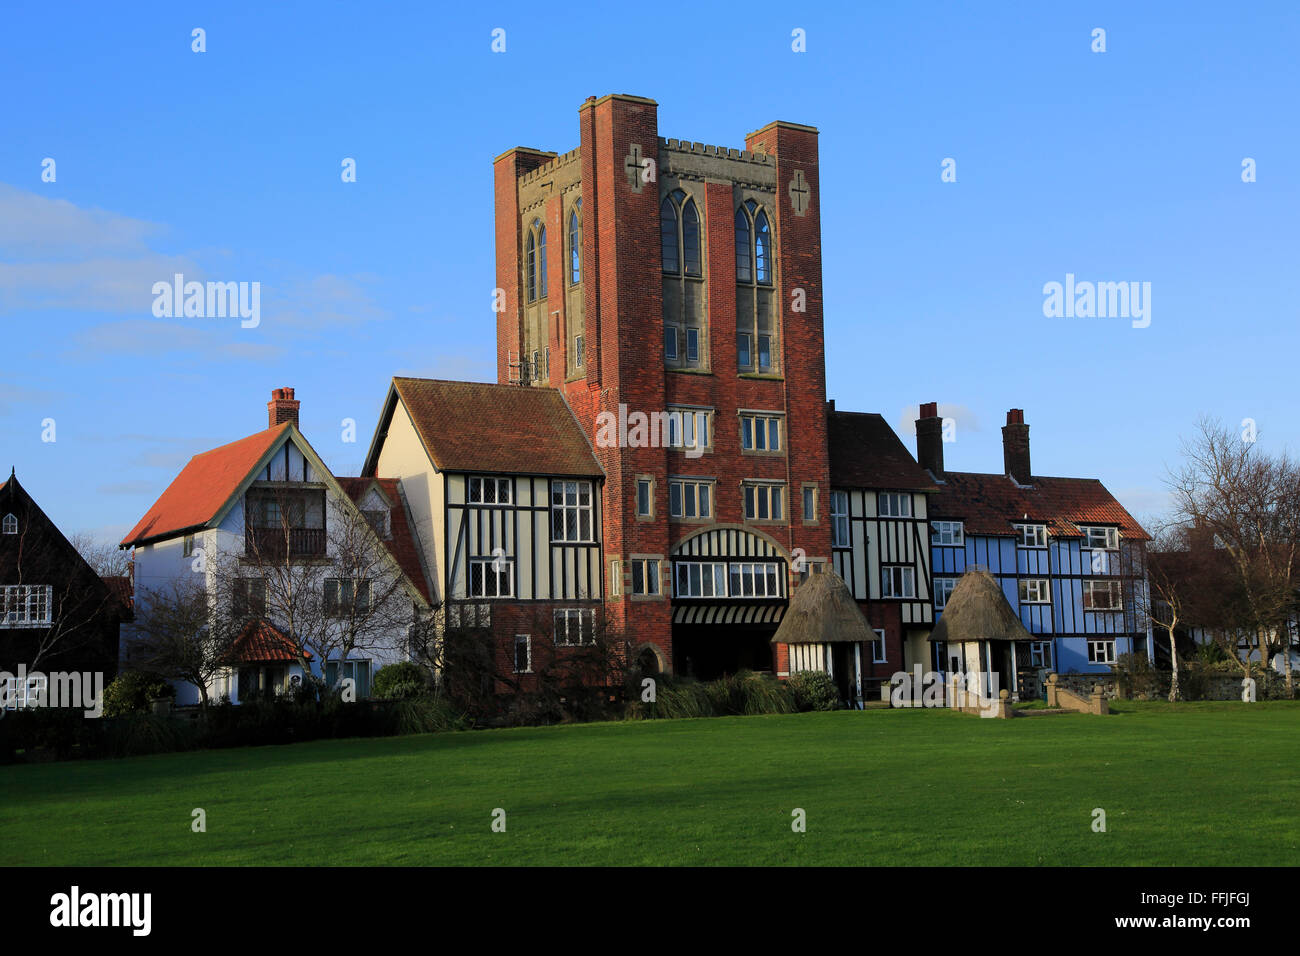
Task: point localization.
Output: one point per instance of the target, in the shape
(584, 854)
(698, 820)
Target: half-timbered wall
(875, 542)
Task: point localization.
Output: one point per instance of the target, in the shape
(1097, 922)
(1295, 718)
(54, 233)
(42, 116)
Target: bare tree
(1249, 500)
(184, 633)
(105, 558)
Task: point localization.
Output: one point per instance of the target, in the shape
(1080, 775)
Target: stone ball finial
(1004, 694)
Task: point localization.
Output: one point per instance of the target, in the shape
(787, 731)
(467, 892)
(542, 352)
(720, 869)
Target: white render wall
(403, 457)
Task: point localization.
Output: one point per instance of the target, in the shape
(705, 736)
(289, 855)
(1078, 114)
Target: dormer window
(1031, 535)
(378, 519)
(1100, 538)
(9, 525)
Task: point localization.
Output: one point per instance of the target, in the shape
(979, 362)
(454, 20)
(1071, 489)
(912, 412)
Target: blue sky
(1115, 166)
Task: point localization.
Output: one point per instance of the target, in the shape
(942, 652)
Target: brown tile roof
(507, 429)
(120, 587)
(865, 453)
(401, 543)
(262, 641)
(203, 486)
(989, 504)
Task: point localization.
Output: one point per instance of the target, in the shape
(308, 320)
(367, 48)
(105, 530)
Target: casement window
(749, 579)
(946, 532)
(1097, 538)
(645, 576)
(687, 428)
(670, 343)
(9, 525)
(694, 579)
(187, 546)
(535, 370)
(744, 352)
(897, 581)
(490, 491)
(469, 616)
(1031, 535)
(938, 655)
(942, 591)
(615, 578)
(1035, 591)
(356, 671)
(690, 499)
(692, 345)
(523, 654)
(1102, 596)
(30, 692)
(575, 245)
(578, 349)
(839, 519)
(1101, 652)
(890, 504)
(248, 597)
(571, 511)
(378, 519)
(491, 577)
(878, 655)
(535, 261)
(26, 605)
(809, 502)
(645, 497)
(1040, 654)
(575, 626)
(760, 432)
(764, 502)
(346, 597)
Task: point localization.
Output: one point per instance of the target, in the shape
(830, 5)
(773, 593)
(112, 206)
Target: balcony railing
(272, 542)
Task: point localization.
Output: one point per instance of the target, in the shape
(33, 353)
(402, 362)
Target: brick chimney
(1015, 446)
(929, 439)
(282, 407)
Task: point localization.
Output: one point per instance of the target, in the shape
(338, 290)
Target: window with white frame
(764, 502)
(1102, 596)
(942, 591)
(946, 532)
(18, 694)
(692, 345)
(9, 525)
(491, 577)
(1098, 538)
(688, 428)
(695, 579)
(1031, 535)
(878, 647)
(1040, 654)
(615, 578)
(489, 491)
(645, 575)
(356, 671)
(571, 511)
(347, 597)
(897, 581)
(809, 502)
(839, 519)
(523, 654)
(753, 579)
(1101, 652)
(645, 498)
(690, 499)
(760, 432)
(575, 626)
(1035, 591)
(26, 605)
(670, 343)
(891, 504)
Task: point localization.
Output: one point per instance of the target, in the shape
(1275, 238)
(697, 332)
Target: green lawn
(1191, 784)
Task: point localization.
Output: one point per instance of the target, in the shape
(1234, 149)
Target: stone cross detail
(632, 164)
(799, 193)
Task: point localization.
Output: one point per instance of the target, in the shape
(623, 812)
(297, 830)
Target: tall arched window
(679, 234)
(668, 236)
(535, 261)
(757, 318)
(575, 245)
(686, 342)
(541, 262)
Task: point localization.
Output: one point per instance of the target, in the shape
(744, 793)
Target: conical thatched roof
(977, 610)
(823, 611)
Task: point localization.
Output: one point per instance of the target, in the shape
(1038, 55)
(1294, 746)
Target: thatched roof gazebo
(823, 611)
(977, 610)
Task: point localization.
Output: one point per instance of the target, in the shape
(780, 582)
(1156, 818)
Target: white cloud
(149, 337)
(33, 226)
(966, 419)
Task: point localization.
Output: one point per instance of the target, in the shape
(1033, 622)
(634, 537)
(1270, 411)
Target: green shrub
(132, 691)
(1138, 678)
(401, 681)
(813, 690)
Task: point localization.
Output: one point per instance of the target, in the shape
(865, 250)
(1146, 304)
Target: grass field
(1213, 783)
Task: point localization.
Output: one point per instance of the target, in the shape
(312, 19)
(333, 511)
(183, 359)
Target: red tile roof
(506, 429)
(401, 542)
(262, 641)
(865, 453)
(989, 504)
(203, 486)
(120, 587)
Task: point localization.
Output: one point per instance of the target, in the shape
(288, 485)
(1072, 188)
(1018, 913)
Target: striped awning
(728, 613)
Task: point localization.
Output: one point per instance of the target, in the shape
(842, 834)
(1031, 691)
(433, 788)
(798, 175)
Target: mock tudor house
(262, 524)
(56, 613)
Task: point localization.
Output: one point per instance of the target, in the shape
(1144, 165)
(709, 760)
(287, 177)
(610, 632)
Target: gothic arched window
(535, 259)
(575, 245)
(679, 234)
(668, 236)
(757, 316)
(753, 245)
